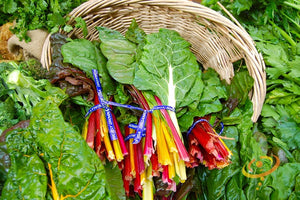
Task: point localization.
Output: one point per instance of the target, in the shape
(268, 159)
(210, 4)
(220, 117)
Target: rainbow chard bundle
(144, 84)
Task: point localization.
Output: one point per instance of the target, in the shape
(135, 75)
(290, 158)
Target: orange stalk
(131, 155)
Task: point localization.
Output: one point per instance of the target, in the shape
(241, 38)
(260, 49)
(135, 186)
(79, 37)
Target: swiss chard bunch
(163, 81)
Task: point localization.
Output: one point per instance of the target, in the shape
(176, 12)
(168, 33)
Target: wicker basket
(216, 41)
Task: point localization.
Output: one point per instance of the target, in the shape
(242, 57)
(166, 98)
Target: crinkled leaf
(169, 69)
(284, 179)
(87, 56)
(76, 168)
(120, 53)
(290, 132)
(240, 86)
(27, 178)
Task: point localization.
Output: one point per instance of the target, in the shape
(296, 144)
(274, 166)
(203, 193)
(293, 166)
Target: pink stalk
(171, 185)
(183, 154)
(165, 174)
(148, 148)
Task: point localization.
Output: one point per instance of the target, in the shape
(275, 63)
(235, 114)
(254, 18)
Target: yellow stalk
(84, 129)
(182, 171)
(179, 167)
(104, 134)
(149, 171)
(170, 141)
(162, 149)
(131, 155)
(103, 129)
(171, 168)
(53, 188)
(148, 185)
(118, 151)
(143, 177)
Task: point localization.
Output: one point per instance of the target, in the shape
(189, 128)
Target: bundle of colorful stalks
(152, 148)
(206, 146)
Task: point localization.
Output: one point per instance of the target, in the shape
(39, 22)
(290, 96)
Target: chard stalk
(148, 185)
(178, 140)
(104, 132)
(98, 140)
(148, 147)
(127, 165)
(132, 155)
(120, 136)
(162, 149)
(91, 130)
(171, 168)
(84, 129)
(117, 150)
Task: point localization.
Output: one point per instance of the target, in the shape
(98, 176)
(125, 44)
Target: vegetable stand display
(152, 48)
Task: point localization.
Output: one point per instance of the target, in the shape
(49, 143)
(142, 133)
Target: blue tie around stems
(111, 128)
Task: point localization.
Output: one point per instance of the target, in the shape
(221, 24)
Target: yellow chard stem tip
(118, 151)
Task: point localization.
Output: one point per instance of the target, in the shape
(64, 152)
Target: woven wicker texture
(216, 41)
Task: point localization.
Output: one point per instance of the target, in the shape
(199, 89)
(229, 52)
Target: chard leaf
(120, 53)
(240, 86)
(284, 179)
(77, 170)
(27, 177)
(86, 57)
(115, 181)
(169, 69)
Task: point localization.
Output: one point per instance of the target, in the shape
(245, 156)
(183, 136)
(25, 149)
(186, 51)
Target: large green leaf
(86, 57)
(27, 178)
(120, 53)
(76, 168)
(169, 69)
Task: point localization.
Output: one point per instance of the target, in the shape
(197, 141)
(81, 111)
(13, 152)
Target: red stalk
(127, 166)
(98, 134)
(165, 174)
(139, 161)
(148, 148)
(183, 154)
(195, 151)
(90, 137)
(126, 185)
(137, 184)
(205, 139)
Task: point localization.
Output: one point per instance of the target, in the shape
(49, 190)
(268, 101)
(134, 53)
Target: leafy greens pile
(38, 14)
(274, 25)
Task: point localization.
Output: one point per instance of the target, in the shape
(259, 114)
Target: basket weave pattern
(216, 41)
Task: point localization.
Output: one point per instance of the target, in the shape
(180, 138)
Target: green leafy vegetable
(37, 14)
(27, 170)
(87, 57)
(120, 54)
(29, 92)
(169, 69)
(73, 168)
